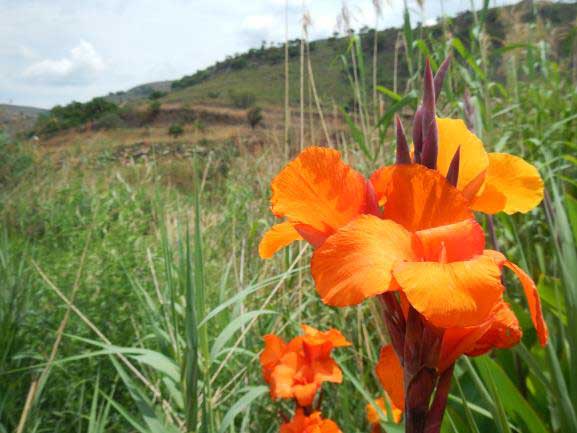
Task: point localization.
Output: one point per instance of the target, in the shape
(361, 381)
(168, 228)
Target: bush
(254, 116)
(109, 121)
(74, 114)
(213, 94)
(156, 94)
(243, 99)
(175, 130)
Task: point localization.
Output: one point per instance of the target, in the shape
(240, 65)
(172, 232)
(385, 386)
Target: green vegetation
(73, 115)
(254, 116)
(175, 130)
(144, 281)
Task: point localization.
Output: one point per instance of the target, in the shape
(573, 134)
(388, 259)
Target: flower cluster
(297, 369)
(408, 236)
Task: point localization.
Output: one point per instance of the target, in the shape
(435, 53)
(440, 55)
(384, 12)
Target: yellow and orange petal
(473, 162)
(373, 416)
(276, 238)
(390, 373)
(313, 423)
(448, 295)
(511, 185)
(332, 336)
(418, 198)
(319, 190)
(454, 242)
(355, 263)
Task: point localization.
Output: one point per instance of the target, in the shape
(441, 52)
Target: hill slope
(261, 71)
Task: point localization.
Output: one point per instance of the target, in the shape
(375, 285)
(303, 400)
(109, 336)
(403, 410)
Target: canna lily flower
(313, 423)
(491, 182)
(298, 368)
(424, 242)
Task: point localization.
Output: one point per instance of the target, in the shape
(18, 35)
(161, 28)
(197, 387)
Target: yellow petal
(511, 185)
(453, 133)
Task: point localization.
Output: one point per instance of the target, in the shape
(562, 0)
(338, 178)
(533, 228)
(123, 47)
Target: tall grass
(166, 321)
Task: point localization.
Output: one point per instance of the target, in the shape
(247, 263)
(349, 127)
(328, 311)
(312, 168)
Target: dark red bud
(453, 172)
(403, 154)
(418, 134)
(440, 76)
(430, 134)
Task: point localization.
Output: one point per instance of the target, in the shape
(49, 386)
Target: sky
(56, 51)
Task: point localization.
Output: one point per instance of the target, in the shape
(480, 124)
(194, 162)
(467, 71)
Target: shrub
(254, 116)
(153, 111)
(156, 94)
(242, 99)
(74, 114)
(175, 130)
(109, 121)
(213, 94)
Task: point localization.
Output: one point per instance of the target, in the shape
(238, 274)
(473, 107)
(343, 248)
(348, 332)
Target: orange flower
(297, 369)
(373, 415)
(429, 246)
(309, 424)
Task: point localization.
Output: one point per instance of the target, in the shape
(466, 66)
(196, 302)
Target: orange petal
(533, 301)
(457, 242)
(326, 370)
(313, 423)
(458, 341)
(274, 349)
(305, 394)
(454, 294)
(503, 333)
(319, 190)
(355, 263)
(531, 293)
(277, 237)
(282, 377)
(334, 336)
(453, 133)
(390, 374)
(511, 185)
(418, 198)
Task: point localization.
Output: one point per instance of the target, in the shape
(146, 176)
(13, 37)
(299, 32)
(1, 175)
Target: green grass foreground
(132, 298)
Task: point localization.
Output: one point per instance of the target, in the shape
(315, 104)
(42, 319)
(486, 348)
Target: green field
(132, 297)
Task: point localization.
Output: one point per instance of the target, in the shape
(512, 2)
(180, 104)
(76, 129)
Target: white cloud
(257, 28)
(81, 66)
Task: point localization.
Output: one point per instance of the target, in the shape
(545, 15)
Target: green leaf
(512, 400)
(240, 405)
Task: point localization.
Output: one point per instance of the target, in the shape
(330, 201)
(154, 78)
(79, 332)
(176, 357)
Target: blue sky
(56, 51)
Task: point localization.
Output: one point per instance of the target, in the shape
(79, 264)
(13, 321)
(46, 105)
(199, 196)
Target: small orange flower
(298, 368)
(309, 424)
(374, 417)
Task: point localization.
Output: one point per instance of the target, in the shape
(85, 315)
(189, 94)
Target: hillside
(257, 77)
(261, 71)
(16, 118)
